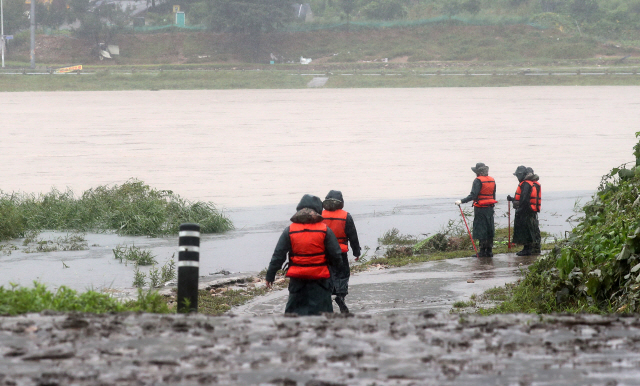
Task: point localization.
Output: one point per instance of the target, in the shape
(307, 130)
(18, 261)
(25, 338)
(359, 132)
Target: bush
(20, 300)
(12, 223)
(597, 269)
(132, 208)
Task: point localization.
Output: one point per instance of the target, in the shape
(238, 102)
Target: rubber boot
(535, 249)
(343, 307)
(526, 251)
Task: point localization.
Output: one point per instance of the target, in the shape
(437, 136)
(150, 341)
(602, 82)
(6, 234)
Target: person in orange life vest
(483, 195)
(526, 228)
(311, 248)
(342, 225)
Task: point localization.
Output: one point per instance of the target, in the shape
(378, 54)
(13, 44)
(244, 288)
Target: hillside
(403, 47)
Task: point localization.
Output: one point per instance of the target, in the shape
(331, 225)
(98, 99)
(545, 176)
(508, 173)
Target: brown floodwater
(400, 156)
(263, 147)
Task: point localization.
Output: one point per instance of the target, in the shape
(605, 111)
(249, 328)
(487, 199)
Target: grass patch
(133, 254)
(132, 208)
(217, 303)
(20, 300)
(294, 78)
(463, 304)
(393, 237)
(451, 242)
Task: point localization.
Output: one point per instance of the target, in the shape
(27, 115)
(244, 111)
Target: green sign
(180, 19)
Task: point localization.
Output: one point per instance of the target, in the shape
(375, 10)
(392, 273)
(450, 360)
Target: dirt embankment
(418, 349)
(415, 47)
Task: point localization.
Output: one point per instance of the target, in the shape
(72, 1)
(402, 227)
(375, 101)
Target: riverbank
(120, 78)
(247, 249)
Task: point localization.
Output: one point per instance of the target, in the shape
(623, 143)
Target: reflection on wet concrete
(433, 286)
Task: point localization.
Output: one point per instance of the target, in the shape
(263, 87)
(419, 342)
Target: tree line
(100, 21)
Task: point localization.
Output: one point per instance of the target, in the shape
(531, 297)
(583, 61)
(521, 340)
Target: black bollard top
(190, 227)
(189, 235)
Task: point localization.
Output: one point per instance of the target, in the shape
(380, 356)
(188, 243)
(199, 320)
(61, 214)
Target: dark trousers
(340, 277)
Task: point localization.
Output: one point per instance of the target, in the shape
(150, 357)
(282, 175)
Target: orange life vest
(487, 195)
(535, 200)
(337, 221)
(307, 259)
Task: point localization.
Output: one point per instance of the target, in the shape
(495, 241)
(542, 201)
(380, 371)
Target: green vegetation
(217, 303)
(141, 257)
(132, 208)
(393, 237)
(597, 269)
(452, 241)
(287, 79)
(19, 300)
(134, 254)
(338, 32)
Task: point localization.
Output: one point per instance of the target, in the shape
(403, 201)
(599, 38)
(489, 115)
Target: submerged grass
(134, 254)
(132, 208)
(70, 242)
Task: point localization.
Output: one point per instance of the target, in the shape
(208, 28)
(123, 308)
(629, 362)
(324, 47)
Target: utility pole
(2, 32)
(32, 16)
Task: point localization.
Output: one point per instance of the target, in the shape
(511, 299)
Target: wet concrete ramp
(433, 286)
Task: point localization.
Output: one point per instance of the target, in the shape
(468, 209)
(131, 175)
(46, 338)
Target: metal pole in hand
(188, 267)
(2, 31)
(32, 17)
(471, 237)
(509, 219)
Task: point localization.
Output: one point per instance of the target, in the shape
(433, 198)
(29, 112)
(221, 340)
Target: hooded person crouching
(311, 248)
(342, 225)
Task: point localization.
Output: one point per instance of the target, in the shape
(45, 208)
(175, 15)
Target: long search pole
(32, 16)
(509, 219)
(471, 237)
(2, 31)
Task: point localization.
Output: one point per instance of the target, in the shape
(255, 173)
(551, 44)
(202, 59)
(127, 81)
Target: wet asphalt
(432, 286)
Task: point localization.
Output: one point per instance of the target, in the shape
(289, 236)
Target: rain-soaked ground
(416, 348)
(433, 286)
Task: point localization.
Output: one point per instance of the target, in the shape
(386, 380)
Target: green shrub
(21, 300)
(132, 208)
(597, 269)
(134, 254)
(12, 223)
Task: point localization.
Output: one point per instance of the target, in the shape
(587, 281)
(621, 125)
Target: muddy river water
(400, 157)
